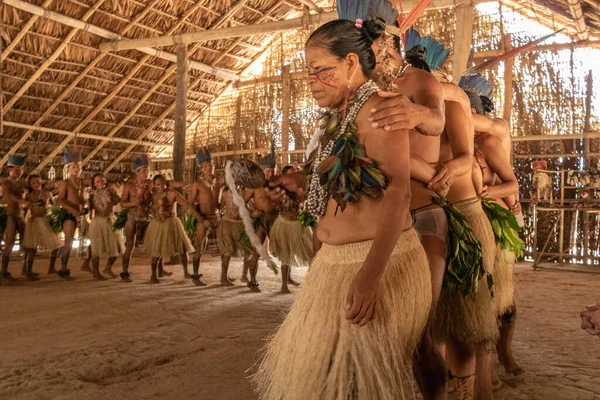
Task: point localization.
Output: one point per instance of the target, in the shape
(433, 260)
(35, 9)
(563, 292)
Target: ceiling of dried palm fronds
(53, 75)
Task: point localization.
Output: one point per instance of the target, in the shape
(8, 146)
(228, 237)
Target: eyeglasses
(320, 75)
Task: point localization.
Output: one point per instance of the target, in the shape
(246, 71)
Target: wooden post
(286, 100)
(586, 165)
(237, 132)
(508, 80)
(463, 38)
(180, 114)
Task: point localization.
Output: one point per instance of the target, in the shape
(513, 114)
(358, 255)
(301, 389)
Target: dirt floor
(107, 340)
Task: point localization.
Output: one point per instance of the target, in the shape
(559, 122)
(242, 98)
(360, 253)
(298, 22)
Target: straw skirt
(105, 242)
(228, 237)
(504, 285)
(470, 319)
(166, 238)
(291, 243)
(39, 235)
(316, 354)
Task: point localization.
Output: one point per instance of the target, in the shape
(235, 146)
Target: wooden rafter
(110, 96)
(577, 14)
(22, 33)
(50, 59)
(165, 76)
(192, 86)
(72, 85)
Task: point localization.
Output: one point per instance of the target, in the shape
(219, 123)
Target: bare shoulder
(416, 79)
(488, 142)
(362, 118)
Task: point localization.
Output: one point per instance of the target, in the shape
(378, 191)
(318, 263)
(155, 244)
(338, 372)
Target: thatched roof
(130, 95)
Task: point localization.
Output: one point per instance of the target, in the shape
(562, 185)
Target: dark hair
(341, 37)
(157, 177)
(285, 169)
(417, 57)
(475, 101)
(94, 179)
(488, 105)
(33, 176)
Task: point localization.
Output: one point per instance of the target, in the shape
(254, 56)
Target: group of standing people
(150, 222)
(405, 176)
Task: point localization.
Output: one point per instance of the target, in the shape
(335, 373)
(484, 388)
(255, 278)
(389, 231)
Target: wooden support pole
(508, 80)
(587, 164)
(534, 138)
(577, 14)
(286, 100)
(237, 133)
(180, 114)
(463, 38)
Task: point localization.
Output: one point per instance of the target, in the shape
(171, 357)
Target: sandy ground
(106, 340)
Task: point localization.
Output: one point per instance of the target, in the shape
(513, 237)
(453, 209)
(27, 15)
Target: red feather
(417, 11)
(511, 53)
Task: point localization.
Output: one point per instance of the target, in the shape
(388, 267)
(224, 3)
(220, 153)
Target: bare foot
(254, 286)
(244, 279)
(164, 273)
(198, 282)
(227, 282)
(32, 277)
(86, 267)
(23, 272)
(109, 272)
(186, 275)
(510, 365)
(51, 271)
(126, 280)
(285, 290)
(99, 277)
(7, 277)
(154, 280)
(293, 282)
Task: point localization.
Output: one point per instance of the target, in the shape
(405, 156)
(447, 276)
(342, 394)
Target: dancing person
(228, 235)
(136, 198)
(353, 339)
(38, 233)
(498, 182)
(71, 199)
(13, 190)
(104, 241)
(290, 242)
(264, 212)
(165, 236)
(418, 107)
(205, 197)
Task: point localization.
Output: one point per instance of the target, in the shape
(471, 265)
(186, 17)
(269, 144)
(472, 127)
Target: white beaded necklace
(317, 196)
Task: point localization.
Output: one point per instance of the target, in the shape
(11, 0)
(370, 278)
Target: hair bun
(488, 104)
(372, 30)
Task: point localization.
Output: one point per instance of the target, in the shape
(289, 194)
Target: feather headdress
(436, 53)
(477, 84)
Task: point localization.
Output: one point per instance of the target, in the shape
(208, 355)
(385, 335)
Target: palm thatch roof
(54, 76)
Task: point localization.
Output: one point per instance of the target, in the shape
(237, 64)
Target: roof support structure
(22, 33)
(223, 19)
(83, 135)
(82, 25)
(577, 14)
(194, 84)
(50, 59)
(72, 85)
(110, 96)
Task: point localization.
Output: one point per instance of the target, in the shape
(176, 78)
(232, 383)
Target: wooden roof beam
(81, 135)
(191, 87)
(82, 25)
(312, 5)
(22, 33)
(165, 76)
(50, 59)
(577, 14)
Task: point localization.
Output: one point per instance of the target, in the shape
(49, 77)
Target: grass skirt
(38, 234)
(291, 243)
(228, 237)
(470, 319)
(504, 285)
(105, 243)
(166, 238)
(317, 354)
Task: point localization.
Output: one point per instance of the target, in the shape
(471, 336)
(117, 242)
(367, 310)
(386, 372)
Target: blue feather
(436, 54)
(476, 83)
(383, 9)
(353, 9)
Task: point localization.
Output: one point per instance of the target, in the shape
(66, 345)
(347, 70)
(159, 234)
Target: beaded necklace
(398, 74)
(318, 196)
